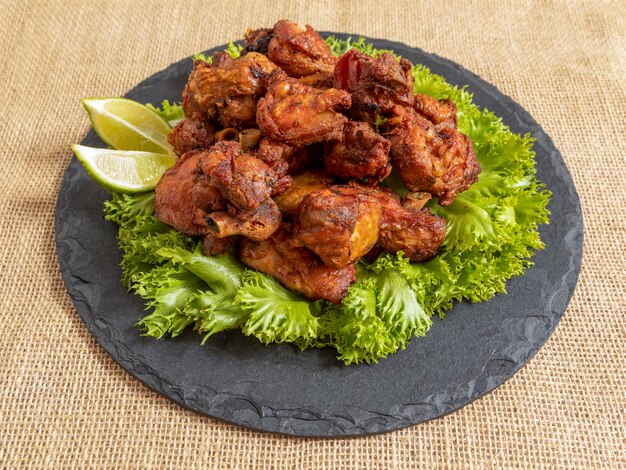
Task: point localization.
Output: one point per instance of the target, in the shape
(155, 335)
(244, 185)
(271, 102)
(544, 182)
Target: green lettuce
(492, 234)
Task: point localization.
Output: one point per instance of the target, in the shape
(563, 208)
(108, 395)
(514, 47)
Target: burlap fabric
(65, 403)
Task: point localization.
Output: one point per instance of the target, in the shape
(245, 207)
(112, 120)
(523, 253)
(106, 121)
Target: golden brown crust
(297, 268)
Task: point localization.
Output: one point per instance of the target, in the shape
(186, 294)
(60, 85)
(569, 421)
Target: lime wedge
(127, 125)
(124, 171)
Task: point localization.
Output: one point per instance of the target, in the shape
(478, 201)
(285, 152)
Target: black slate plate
(280, 389)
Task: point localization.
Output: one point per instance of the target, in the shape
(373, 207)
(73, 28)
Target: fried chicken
(418, 233)
(299, 115)
(301, 186)
(190, 134)
(338, 223)
(432, 158)
(361, 153)
(300, 52)
(177, 197)
(436, 111)
(257, 224)
(227, 90)
(297, 268)
(245, 181)
(376, 84)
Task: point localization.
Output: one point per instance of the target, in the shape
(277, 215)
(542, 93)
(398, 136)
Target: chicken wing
(299, 115)
(300, 52)
(361, 153)
(436, 159)
(417, 233)
(436, 111)
(376, 84)
(297, 268)
(228, 89)
(339, 224)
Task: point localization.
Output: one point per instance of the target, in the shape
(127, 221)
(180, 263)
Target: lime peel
(124, 171)
(128, 125)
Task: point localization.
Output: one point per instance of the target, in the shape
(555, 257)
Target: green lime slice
(127, 125)
(124, 171)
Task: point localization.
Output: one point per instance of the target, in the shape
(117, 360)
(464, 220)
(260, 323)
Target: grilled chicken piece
(436, 111)
(245, 181)
(301, 52)
(376, 84)
(299, 115)
(297, 268)
(339, 224)
(436, 159)
(361, 153)
(228, 89)
(301, 186)
(177, 197)
(417, 233)
(190, 134)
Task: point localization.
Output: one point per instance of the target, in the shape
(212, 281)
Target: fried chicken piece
(228, 89)
(245, 181)
(258, 224)
(179, 195)
(299, 115)
(190, 134)
(436, 159)
(338, 223)
(300, 52)
(257, 40)
(275, 154)
(213, 246)
(418, 233)
(297, 268)
(436, 111)
(361, 153)
(302, 185)
(376, 84)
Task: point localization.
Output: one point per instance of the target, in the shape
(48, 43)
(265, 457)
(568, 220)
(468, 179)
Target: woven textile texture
(65, 403)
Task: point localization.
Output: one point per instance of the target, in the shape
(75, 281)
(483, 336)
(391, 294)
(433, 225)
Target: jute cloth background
(65, 403)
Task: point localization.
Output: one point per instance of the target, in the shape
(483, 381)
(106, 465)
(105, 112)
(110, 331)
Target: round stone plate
(278, 388)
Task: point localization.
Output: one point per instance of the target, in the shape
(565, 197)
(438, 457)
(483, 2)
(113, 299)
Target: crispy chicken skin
(300, 52)
(436, 111)
(297, 114)
(177, 200)
(245, 181)
(338, 223)
(436, 159)
(228, 89)
(376, 84)
(361, 153)
(190, 134)
(301, 186)
(297, 268)
(417, 233)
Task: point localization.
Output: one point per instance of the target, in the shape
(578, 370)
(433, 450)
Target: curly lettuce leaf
(276, 315)
(172, 112)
